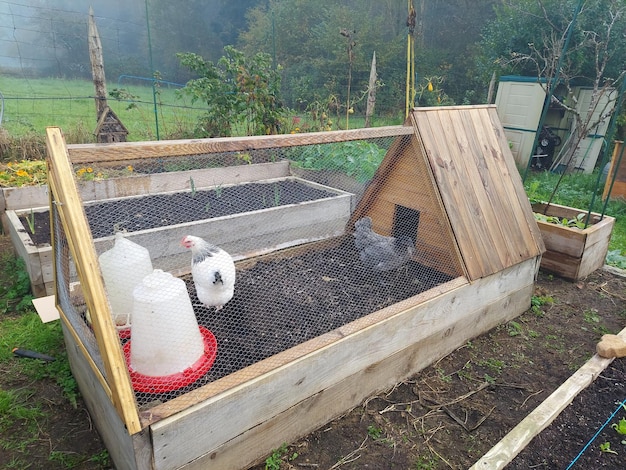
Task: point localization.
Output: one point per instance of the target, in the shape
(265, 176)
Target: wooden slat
(498, 188)
(74, 222)
(87, 153)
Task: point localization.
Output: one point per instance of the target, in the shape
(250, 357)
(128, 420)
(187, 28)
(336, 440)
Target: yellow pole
(408, 76)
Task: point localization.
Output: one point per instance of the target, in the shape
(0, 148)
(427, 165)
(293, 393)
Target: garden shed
(520, 101)
(313, 327)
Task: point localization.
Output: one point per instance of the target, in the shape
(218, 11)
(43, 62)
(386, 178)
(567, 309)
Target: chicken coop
(360, 257)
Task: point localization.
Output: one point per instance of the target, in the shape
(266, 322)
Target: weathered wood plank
(526, 222)
(460, 204)
(87, 153)
(518, 438)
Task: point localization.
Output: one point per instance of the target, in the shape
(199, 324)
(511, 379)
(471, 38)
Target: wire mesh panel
(215, 261)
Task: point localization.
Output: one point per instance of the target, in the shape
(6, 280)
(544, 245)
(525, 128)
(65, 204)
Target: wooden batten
(123, 151)
(616, 177)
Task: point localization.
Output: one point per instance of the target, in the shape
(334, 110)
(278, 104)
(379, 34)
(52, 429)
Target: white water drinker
(123, 267)
(165, 336)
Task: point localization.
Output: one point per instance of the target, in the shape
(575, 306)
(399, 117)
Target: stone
(611, 346)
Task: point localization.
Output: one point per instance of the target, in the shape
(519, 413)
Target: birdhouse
(361, 257)
(110, 128)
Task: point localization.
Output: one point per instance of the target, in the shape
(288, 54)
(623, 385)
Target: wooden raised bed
(573, 253)
(449, 172)
(310, 220)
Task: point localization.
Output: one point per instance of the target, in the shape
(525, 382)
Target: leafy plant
(606, 448)
(374, 431)
(577, 222)
(536, 302)
(358, 159)
(620, 427)
(275, 458)
(514, 328)
(236, 90)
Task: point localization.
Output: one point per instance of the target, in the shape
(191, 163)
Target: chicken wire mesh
(213, 263)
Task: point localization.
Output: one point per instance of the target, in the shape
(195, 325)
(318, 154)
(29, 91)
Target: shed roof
(480, 186)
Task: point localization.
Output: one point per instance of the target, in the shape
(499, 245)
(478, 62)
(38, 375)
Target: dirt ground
(452, 412)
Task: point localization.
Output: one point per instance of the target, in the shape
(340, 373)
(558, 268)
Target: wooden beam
(97, 66)
(122, 151)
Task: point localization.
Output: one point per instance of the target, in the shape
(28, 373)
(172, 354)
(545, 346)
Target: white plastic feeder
(166, 340)
(123, 268)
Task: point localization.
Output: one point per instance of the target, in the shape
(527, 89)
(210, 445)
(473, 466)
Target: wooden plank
(513, 214)
(79, 237)
(559, 239)
(616, 178)
(452, 317)
(540, 418)
(561, 264)
(23, 197)
(88, 153)
(180, 180)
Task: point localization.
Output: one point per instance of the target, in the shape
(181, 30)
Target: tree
(594, 56)
(237, 90)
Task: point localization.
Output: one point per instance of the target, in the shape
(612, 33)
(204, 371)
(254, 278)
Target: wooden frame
(236, 420)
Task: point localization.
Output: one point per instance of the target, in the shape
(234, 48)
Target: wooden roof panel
(480, 186)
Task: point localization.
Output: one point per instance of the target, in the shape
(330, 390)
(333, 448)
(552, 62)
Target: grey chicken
(379, 252)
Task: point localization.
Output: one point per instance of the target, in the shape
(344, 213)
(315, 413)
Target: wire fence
(49, 39)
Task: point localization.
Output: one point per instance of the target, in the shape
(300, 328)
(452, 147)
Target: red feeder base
(169, 383)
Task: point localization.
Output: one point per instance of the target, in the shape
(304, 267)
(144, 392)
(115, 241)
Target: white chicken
(213, 272)
(379, 252)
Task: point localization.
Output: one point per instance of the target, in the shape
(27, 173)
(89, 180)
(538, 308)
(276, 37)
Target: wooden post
(97, 66)
(371, 93)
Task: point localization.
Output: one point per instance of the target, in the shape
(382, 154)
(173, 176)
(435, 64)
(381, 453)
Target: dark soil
(451, 413)
(138, 213)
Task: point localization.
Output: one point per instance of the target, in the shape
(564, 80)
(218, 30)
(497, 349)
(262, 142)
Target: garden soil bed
(160, 210)
(451, 413)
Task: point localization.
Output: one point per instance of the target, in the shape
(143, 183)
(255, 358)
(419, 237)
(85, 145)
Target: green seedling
(606, 448)
(30, 219)
(620, 427)
(192, 185)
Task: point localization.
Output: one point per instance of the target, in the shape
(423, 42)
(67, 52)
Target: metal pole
(154, 93)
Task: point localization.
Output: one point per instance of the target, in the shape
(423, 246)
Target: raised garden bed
(257, 216)
(572, 252)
